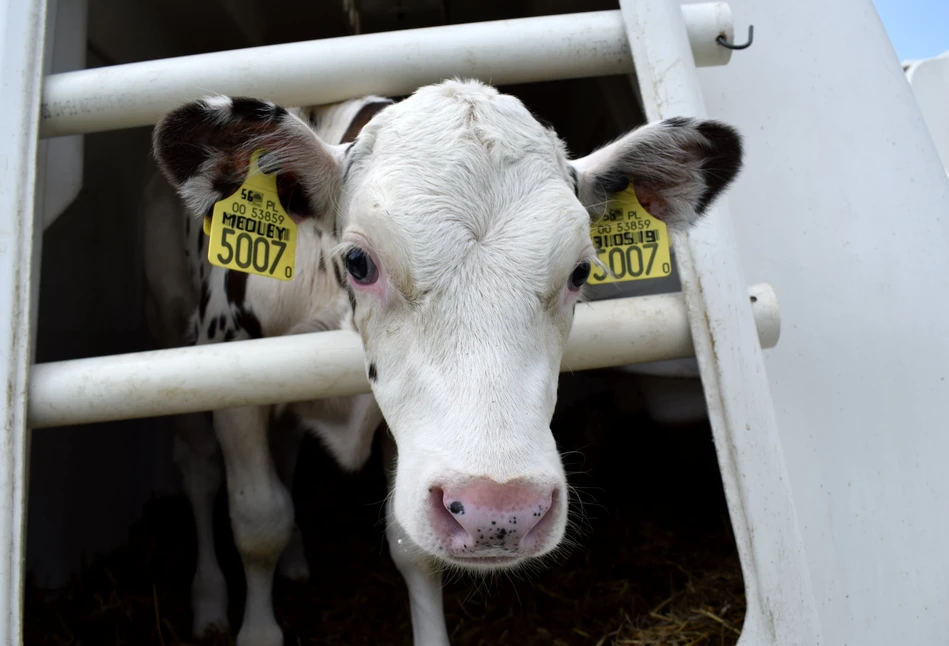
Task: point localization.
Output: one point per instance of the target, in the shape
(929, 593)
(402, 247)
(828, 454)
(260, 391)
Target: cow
(453, 235)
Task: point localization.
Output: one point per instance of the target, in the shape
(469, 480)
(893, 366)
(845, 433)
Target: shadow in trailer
(654, 561)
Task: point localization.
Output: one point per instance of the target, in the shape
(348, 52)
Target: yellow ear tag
(250, 231)
(632, 243)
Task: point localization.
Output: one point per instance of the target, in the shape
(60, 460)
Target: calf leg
(261, 515)
(423, 577)
(285, 442)
(196, 456)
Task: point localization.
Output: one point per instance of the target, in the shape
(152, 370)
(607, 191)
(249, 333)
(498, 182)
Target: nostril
(443, 514)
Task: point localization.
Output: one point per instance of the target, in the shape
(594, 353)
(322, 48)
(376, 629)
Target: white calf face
(463, 238)
(464, 230)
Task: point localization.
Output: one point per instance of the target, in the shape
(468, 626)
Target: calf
(454, 236)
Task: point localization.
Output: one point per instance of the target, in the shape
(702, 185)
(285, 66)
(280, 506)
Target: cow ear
(204, 149)
(678, 167)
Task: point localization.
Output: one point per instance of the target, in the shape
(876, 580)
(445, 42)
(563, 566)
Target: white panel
(781, 609)
(930, 82)
(22, 26)
(844, 208)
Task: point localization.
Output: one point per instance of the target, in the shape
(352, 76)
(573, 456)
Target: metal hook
(724, 43)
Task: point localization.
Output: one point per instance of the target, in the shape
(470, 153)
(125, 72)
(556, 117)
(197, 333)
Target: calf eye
(361, 267)
(579, 275)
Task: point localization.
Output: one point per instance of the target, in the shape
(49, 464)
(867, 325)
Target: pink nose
(488, 519)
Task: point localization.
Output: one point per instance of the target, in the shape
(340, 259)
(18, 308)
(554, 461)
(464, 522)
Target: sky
(918, 28)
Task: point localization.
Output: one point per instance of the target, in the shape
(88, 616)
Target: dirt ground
(655, 562)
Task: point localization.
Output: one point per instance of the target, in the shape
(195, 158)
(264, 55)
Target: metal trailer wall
(844, 208)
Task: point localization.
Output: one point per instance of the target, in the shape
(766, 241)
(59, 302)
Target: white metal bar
(781, 608)
(326, 364)
(22, 29)
(391, 63)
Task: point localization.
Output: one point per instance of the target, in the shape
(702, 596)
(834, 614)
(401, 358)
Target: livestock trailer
(826, 415)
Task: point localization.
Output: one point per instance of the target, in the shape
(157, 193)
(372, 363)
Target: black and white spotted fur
(192, 302)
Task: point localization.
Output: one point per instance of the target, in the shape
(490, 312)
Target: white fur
(475, 225)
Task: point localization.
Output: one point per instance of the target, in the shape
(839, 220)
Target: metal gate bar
(390, 63)
(327, 364)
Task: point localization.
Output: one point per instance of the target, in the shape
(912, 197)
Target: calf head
(464, 230)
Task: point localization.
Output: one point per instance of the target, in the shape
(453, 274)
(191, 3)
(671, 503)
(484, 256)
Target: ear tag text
(631, 242)
(250, 231)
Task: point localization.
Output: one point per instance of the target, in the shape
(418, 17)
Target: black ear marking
(679, 166)
(225, 187)
(612, 182)
(373, 374)
(251, 109)
(193, 134)
(719, 147)
(723, 161)
(175, 141)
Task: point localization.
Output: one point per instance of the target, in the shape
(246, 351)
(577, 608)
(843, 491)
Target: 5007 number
(629, 262)
(246, 252)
